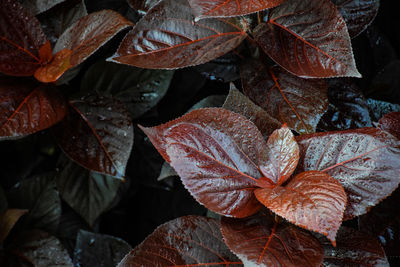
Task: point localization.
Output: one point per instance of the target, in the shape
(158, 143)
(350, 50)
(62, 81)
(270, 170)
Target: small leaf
(39, 6)
(365, 161)
(175, 40)
(28, 107)
(229, 8)
(185, 241)
(216, 153)
(261, 241)
(8, 220)
(298, 102)
(391, 123)
(97, 134)
(308, 38)
(56, 68)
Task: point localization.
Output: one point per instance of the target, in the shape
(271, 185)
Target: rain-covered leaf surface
(380, 108)
(175, 40)
(97, 134)
(39, 6)
(8, 219)
(259, 240)
(365, 161)
(308, 38)
(298, 102)
(142, 6)
(185, 241)
(216, 153)
(391, 123)
(52, 71)
(28, 107)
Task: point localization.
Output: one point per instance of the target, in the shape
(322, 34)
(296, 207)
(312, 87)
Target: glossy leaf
(391, 123)
(365, 161)
(216, 153)
(239, 103)
(97, 134)
(142, 6)
(229, 8)
(174, 40)
(308, 38)
(54, 69)
(39, 6)
(28, 107)
(312, 200)
(89, 33)
(261, 241)
(354, 248)
(211, 101)
(223, 69)
(185, 241)
(21, 37)
(8, 220)
(357, 14)
(298, 102)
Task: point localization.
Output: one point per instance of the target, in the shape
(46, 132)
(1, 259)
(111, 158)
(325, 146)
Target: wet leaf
(54, 69)
(308, 38)
(97, 134)
(185, 241)
(357, 14)
(175, 40)
(380, 108)
(99, 250)
(39, 6)
(21, 37)
(87, 192)
(391, 123)
(166, 171)
(216, 153)
(28, 107)
(223, 69)
(211, 101)
(261, 241)
(298, 102)
(8, 220)
(365, 161)
(142, 6)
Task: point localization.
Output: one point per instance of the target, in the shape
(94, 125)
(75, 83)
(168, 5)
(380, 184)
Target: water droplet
(91, 241)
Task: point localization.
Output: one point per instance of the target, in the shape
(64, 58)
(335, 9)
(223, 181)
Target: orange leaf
(52, 71)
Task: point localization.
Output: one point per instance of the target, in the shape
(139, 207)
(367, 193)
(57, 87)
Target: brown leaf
(56, 68)
(8, 220)
(391, 123)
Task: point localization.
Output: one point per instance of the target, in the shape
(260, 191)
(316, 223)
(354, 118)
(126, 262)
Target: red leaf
(97, 134)
(365, 161)
(21, 37)
(45, 53)
(185, 241)
(312, 200)
(28, 107)
(261, 241)
(174, 40)
(216, 153)
(89, 33)
(391, 123)
(358, 14)
(298, 102)
(8, 220)
(57, 67)
(230, 8)
(308, 38)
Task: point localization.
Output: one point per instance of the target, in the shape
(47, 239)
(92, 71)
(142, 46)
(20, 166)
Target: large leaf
(28, 107)
(216, 153)
(391, 123)
(21, 37)
(308, 38)
(98, 134)
(8, 220)
(261, 241)
(357, 14)
(87, 192)
(174, 40)
(312, 200)
(298, 102)
(365, 161)
(186, 241)
(229, 8)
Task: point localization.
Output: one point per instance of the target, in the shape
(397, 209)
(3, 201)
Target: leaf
(390, 123)
(138, 89)
(56, 68)
(39, 6)
(89, 33)
(40, 196)
(175, 40)
(185, 241)
(239, 103)
(223, 69)
(298, 102)
(308, 38)
(28, 107)
(365, 161)
(261, 241)
(97, 134)
(357, 14)
(8, 220)
(354, 249)
(211, 101)
(142, 6)
(229, 8)
(216, 153)
(87, 192)
(21, 37)
(380, 108)
(99, 250)
(312, 200)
